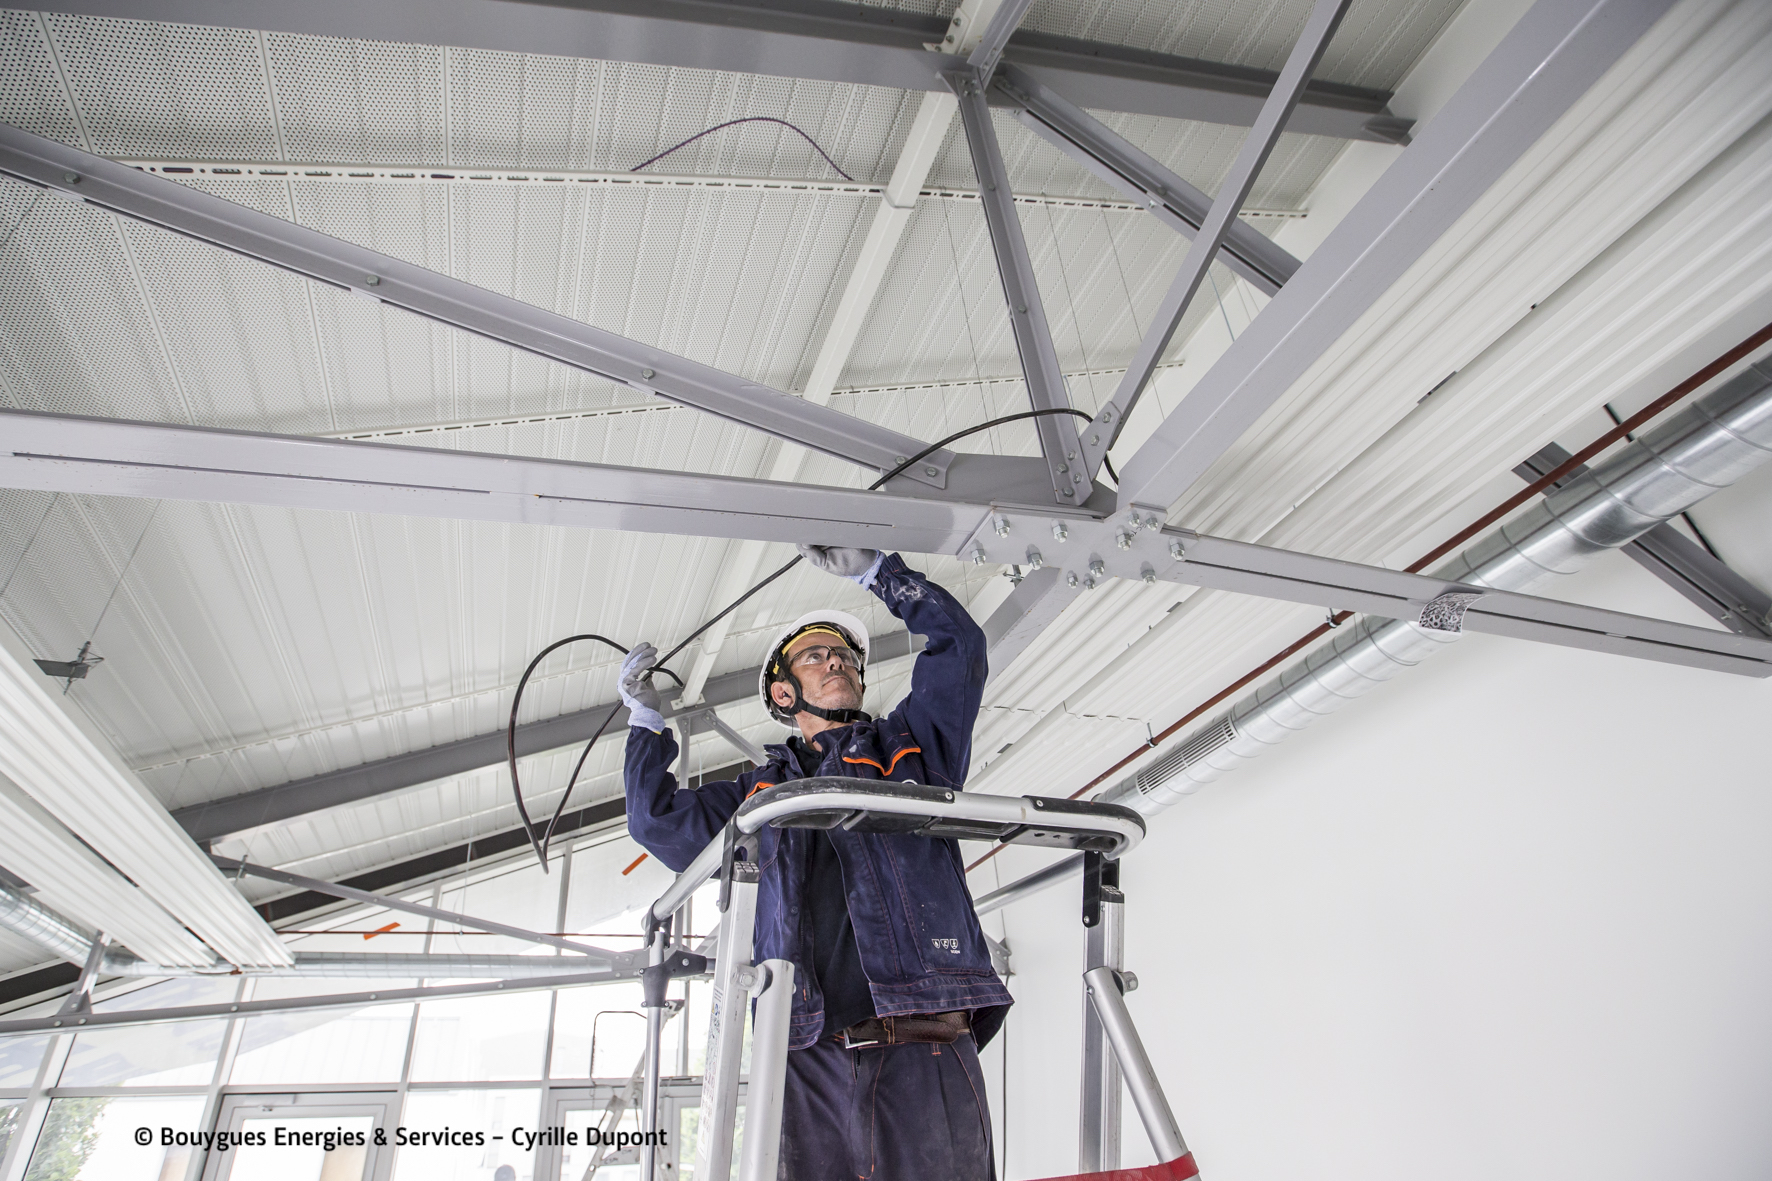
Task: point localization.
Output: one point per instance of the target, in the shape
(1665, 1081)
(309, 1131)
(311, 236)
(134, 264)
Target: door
(312, 1136)
(582, 1116)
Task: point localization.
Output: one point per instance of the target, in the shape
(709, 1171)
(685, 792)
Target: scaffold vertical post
(1098, 1139)
(769, 1072)
(733, 975)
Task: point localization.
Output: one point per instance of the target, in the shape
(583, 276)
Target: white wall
(1512, 913)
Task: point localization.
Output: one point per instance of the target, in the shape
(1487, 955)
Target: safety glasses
(820, 654)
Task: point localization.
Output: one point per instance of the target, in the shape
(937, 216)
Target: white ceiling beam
(1551, 57)
(87, 789)
(72, 880)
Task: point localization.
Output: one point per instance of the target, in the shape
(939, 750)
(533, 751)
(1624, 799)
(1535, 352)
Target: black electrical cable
(540, 844)
(748, 119)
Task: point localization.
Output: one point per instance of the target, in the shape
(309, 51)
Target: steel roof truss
(1071, 482)
(872, 45)
(1152, 552)
(1134, 172)
(1551, 57)
(1319, 27)
(629, 968)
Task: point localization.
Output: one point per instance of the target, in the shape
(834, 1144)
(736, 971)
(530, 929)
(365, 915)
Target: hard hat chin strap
(801, 705)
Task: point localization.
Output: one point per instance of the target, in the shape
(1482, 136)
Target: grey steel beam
(875, 45)
(1550, 58)
(1699, 577)
(1040, 597)
(1717, 590)
(596, 955)
(1111, 157)
(740, 743)
(1071, 481)
(272, 805)
(1325, 582)
(123, 1018)
(1099, 550)
(1313, 40)
(320, 257)
(68, 453)
(989, 51)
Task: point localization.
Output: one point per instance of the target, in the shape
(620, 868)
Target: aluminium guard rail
(1100, 832)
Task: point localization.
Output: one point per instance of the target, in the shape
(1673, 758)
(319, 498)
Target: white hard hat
(851, 628)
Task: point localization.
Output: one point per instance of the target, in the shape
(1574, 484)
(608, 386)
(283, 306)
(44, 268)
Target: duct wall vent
(1190, 752)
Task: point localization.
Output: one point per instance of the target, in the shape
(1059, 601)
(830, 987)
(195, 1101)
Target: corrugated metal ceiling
(248, 647)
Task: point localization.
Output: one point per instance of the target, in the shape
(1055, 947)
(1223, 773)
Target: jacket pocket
(938, 907)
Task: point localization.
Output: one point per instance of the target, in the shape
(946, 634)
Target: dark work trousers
(913, 1112)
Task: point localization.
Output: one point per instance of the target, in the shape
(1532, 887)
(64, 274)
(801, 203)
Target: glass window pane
(365, 1045)
(9, 1112)
(606, 903)
(519, 897)
(493, 1113)
(688, 1127)
(95, 1138)
(324, 1045)
(481, 1038)
(174, 1054)
(612, 1013)
(19, 1059)
(303, 1162)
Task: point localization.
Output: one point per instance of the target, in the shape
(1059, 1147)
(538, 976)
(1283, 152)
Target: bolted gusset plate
(1088, 550)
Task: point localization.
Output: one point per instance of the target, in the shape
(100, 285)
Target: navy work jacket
(915, 927)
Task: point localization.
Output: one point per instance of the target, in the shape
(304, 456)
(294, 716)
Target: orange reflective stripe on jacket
(887, 770)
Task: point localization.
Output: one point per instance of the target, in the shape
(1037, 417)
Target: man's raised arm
(947, 682)
(671, 823)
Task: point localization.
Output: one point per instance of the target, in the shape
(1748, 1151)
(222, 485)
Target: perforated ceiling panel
(31, 92)
(1101, 274)
(167, 89)
(357, 100)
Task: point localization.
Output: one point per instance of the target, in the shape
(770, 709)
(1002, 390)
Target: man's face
(829, 685)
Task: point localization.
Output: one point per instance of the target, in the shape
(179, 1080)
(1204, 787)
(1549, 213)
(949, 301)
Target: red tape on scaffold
(1182, 1168)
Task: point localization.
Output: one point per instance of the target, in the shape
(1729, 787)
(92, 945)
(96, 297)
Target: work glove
(857, 565)
(637, 690)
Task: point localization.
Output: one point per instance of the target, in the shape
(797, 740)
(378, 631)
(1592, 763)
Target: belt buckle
(853, 1042)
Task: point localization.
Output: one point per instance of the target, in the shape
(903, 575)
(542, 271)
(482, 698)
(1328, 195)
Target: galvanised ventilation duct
(1706, 447)
(31, 920)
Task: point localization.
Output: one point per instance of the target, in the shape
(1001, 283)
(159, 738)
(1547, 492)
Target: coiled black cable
(540, 843)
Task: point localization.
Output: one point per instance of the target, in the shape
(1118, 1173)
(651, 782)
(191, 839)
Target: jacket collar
(822, 744)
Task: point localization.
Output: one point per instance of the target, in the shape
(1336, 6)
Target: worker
(896, 991)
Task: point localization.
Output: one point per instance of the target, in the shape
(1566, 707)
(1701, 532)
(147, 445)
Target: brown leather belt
(940, 1028)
